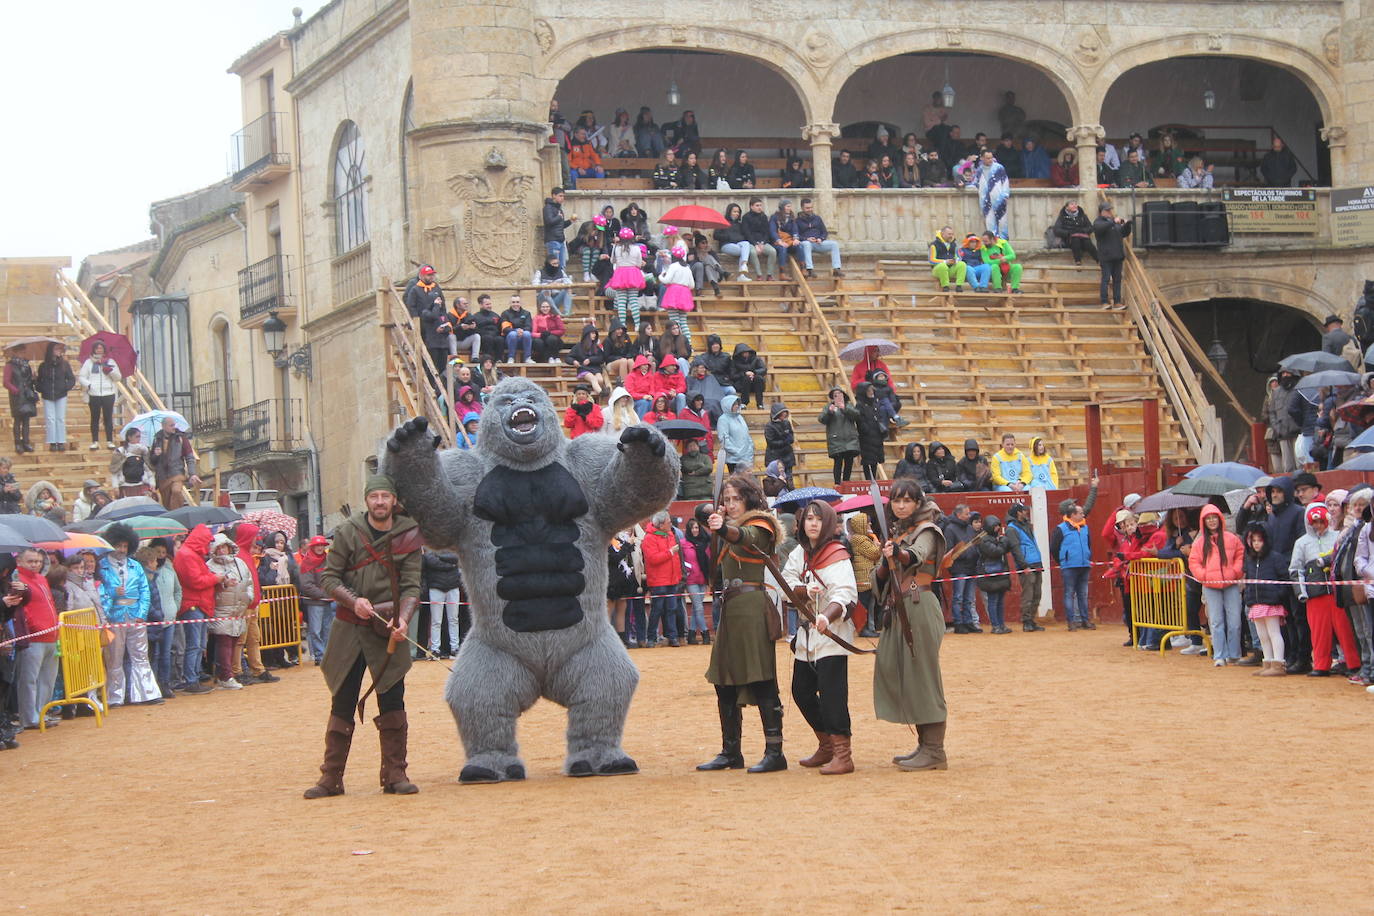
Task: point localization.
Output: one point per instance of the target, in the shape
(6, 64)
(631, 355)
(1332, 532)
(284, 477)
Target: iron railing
(265, 287)
(257, 146)
(267, 427)
(211, 408)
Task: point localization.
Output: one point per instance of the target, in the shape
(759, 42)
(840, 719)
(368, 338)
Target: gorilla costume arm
(631, 478)
(427, 480)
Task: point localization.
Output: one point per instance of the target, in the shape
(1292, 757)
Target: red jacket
(39, 611)
(642, 384)
(245, 536)
(197, 582)
(553, 324)
(670, 383)
(1144, 544)
(864, 366)
(662, 557)
(579, 426)
(654, 416)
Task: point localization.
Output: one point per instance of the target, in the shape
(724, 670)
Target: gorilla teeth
(523, 419)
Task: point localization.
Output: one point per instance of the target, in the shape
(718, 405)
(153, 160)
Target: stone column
(1344, 168)
(1085, 138)
(820, 136)
(480, 122)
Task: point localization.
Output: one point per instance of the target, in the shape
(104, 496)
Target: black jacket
(718, 363)
(55, 380)
(967, 473)
(871, 433)
(1067, 224)
(1271, 566)
(418, 298)
(913, 468)
(846, 176)
(1278, 168)
(1300, 410)
(488, 323)
(1010, 159)
(1110, 238)
(554, 223)
(439, 569)
(1286, 523)
(957, 532)
(939, 470)
(730, 234)
(779, 436)
(692, 178)
(522, 320)
(744, 360)
(742, 175)
(755, 227)
(431, 319)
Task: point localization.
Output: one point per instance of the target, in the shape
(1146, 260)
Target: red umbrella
(694, 217)
(117, 347)
(861, 501)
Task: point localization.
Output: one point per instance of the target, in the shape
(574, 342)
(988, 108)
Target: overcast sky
(112, 105)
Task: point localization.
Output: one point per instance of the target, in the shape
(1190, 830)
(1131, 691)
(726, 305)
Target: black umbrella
(87, 526)
(1208, 486)
(128, 507)
(191, 516)
(1313, 361)
(12, 541)
(681, 429)
(1165, 500)
(33, 527)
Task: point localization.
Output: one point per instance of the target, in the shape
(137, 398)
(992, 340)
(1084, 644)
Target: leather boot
(930, 754)
(843, 762)
(1273, 669)
(338, 738)
(731, 723)
(824, 751)
(392, 729)
(770, 712)
(705, 637)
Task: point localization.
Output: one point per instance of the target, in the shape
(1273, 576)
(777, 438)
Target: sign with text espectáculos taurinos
(1292, 210)
(1352, 216)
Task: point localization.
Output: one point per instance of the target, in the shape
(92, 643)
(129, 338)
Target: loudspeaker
(1215, 230)
(1154, 223)
(1186, 221)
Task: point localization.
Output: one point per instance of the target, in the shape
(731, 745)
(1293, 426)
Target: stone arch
(1309, 302)
(1310, 68)
(1053, 63)
(772, 53)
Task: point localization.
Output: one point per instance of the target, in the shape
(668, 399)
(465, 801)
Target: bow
(895, 609)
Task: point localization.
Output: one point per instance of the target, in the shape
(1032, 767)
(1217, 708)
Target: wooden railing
(77, 310)
(823, 332)
(408, 368)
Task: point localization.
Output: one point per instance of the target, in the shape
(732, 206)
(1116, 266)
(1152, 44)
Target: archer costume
(384, 568)
(907, 686)
(743, 665)
(820, 670)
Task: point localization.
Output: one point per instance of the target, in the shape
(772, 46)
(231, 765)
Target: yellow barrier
(83, 663)
(279, 617)
(1159, 601)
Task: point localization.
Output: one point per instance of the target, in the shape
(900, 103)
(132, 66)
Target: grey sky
(110, 106)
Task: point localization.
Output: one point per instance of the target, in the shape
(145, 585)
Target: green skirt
(349, 640)
(907, 687)
(742, 653)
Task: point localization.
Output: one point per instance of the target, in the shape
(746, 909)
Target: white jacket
(835, 583)
(96, 383)
(677, 273)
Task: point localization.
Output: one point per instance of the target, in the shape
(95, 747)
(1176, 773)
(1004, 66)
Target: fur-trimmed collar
(762, 518)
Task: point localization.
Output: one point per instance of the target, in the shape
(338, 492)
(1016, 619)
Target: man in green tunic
(372, 573)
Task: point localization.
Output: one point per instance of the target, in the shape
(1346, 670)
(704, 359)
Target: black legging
(345, 702)
(102, 406)
(1111, 271)
(1081, 246)
(759, 691)
(821, 691)
(438, 356)
(747, 388)
(844, 468)
(870, 469)
(20, 421)
(547, 346)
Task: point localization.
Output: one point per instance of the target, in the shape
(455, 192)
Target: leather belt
(736, 590)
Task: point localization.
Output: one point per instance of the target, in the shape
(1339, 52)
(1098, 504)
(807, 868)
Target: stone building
(379, 135)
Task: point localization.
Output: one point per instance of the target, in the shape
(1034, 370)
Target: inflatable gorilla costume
(529, 514)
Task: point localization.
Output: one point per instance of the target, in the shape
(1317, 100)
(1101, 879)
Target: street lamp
(1216, 353)
(947, 93)
(274, 335)
(1209, 99)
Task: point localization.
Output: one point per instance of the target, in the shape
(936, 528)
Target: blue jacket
(1070, 546)
(1030, 551)
(734, 435)
(137, 596)
(811, 227)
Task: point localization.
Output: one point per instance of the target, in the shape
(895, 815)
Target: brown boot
(338, 738)
(930, 755)
(392, 729)
(1272, 669)
(824, 751)
(842, 762)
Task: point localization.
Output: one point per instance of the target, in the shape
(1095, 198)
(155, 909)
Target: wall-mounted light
(274, 336)
(947, 93)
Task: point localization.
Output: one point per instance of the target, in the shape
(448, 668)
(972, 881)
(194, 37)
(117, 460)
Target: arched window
(350, 190)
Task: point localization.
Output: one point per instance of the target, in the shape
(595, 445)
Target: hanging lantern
(1209, 99)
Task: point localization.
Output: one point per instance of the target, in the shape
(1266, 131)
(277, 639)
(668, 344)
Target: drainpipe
(234, 215)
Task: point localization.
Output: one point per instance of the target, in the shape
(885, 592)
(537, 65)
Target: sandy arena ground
(1084, 777)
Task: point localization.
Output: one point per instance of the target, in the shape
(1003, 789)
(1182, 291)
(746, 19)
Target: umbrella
(272, 520)
(682, 429)
(31, 348)
(853, 503)
(191, 516)
(87, 526)
(1364, 461)
(1231, 470)
(74, 543)
(1313, 361)
(1165, 500)
(33, 528)
(128, 507)
(1360, 412)
(149, 423)
(1328, 378)
(1363, 442)
(803, 495)
(853, 352)
(12, 541)
(694, 217)
(1208, 486)
(153, 526)
(117, 347)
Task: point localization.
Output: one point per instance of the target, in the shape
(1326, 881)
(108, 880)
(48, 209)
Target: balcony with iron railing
(268, 429)
(211, 411)
(265, 287)
(257, 153)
